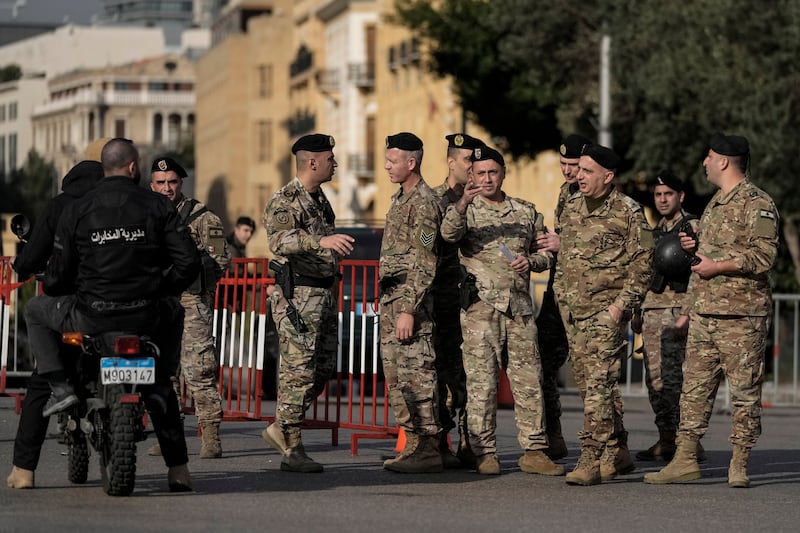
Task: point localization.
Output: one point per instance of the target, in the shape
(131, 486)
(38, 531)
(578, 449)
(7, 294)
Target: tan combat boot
(20, 478)
(488, 465)
(737, 471)
(179, 479)
(273, 435)
(537, 462)
(683, 466)
(616, 461)
(412, 441)
(449, 459)
(296, 459)
(210, 445)
(663, 449)
(557, 446)
(424, 459)
(587, 470)
(701, 452)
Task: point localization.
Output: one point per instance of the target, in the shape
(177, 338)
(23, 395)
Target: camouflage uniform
(447, 326)
(502, 319)
(604, 259)
(664, 351)
(730, 314)
(552, 337)
(295, 221)
(408, 254)
(199, 364)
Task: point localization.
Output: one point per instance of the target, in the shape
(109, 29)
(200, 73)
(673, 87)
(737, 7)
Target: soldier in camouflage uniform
(736, 245)
(602, 274)
(452, 381)
(407, 267)
(660, 321)
(301, 233)
(551, 335)
(199, 365)
(496, 236)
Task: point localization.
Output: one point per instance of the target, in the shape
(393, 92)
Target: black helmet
(669, 258)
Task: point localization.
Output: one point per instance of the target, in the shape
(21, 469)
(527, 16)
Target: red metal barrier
(7, 287)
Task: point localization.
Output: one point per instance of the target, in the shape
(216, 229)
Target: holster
(468, 291)
(208, 277)
(285, 280)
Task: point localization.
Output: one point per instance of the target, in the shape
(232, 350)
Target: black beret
(404, 141)
(732, 145)
(605, 157)
(315, 142)
(670, 180)
(573, 146)
(246, 221)
(462, 140)
(484, 152)
(165, 164)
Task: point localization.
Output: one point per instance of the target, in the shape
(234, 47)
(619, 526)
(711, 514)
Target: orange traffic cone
(401, 441)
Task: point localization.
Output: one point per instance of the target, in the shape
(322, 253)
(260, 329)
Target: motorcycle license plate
(119, 370)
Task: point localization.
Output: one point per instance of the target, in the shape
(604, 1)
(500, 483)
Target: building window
(157, 86)
(265, 81)
(2, 155)
(12, 111)
(264, 136)
(2, 112)
(158, 128)
(12, 152)
(119, 127)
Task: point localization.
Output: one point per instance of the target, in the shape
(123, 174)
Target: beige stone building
(150, 101)
(278, 69)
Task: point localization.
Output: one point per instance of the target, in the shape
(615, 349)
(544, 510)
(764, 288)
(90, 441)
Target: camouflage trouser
(729, 346)
(664, 352)
(308, 359)
(450, 376)
(410, 373)
(596, 347)
(487, 333)
(199, 366)
(553, 349)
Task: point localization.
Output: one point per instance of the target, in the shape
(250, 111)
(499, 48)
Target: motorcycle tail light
(73, 338)
(128, 345)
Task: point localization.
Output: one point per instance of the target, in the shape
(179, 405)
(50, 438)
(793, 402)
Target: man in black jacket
(111, 250)
(32, 429)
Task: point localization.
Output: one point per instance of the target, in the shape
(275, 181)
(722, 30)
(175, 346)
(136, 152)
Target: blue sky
(51, 11)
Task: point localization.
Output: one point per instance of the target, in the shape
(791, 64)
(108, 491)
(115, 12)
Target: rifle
(284, 278)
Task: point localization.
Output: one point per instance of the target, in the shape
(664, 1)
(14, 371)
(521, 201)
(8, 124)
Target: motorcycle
(110, 415)
(109, 369)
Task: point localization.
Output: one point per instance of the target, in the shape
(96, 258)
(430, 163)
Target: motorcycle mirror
(21, 227)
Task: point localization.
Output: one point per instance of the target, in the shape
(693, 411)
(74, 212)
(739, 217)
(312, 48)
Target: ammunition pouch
(210, 274)
(468, 291)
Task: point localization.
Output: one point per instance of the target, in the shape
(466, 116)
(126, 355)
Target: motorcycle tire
(78, 458)
(118, 456)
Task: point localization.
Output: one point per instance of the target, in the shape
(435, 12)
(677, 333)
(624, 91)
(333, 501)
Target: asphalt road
(246, 491)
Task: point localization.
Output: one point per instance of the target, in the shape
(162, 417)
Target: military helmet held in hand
(669, 258)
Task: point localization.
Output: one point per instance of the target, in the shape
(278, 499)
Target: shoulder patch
(646, 236)
(282, 220)
(766, 223)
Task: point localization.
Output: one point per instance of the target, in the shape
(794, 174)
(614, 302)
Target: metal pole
(604, 134)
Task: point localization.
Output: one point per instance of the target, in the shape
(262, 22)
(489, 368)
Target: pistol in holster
(284, 278)
(468, 291)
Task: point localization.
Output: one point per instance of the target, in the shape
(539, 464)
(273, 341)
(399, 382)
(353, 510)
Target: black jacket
(81, 179)
(120, 246)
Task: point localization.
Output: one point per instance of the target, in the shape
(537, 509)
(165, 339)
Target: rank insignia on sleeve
(427, 237)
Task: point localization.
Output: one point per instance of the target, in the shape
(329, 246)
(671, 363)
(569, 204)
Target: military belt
(309, 281)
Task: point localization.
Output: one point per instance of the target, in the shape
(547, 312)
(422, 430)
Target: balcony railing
(361, 164)
(328, 80)
(362, 74)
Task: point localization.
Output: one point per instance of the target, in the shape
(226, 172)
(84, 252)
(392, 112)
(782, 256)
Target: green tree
(527, 71)
(10, 72)
(30, 187)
